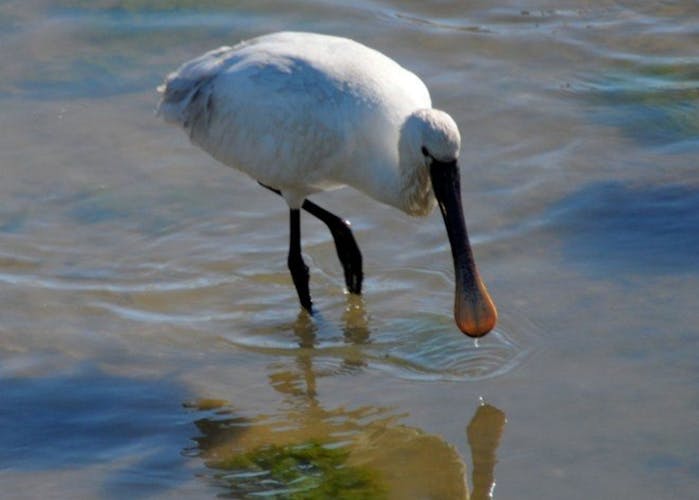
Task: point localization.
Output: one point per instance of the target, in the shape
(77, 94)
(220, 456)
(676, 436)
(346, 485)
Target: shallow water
(150, 328)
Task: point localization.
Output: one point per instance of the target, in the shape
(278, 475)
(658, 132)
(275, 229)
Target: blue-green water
(150, 332)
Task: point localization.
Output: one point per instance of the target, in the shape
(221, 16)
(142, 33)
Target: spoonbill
(302, 113)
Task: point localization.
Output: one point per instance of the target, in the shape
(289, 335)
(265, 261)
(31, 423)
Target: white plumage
(294, 110)
(303, 112)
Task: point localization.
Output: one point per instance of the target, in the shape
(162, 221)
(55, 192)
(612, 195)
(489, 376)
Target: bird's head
(434, 136)
(438, 136)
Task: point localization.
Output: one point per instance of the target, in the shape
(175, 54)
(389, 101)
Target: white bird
(302, 113)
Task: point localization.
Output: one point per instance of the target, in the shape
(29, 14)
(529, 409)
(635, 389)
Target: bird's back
(294, 109)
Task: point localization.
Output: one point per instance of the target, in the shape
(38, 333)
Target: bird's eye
(425, 152)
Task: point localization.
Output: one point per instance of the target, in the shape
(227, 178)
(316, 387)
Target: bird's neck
(417, 196)
(396, 176)
(414, 184)
(405, 187)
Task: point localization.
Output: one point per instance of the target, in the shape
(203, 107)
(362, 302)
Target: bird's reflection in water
(356, 323)
(483, 434)
(308, 451)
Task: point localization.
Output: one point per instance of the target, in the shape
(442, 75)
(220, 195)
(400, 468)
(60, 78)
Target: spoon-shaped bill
(474, 310)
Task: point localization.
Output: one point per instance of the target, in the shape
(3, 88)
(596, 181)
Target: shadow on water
(612, 227)
(307, 451)
(87, 418)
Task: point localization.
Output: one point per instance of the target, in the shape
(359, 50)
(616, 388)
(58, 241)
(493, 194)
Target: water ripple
(57, 283)
(433, 351)
(425, 347)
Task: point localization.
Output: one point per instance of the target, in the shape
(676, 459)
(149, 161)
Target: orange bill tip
(474, 310)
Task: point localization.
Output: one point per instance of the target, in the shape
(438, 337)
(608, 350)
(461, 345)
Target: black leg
(345, 244)
(298, 268)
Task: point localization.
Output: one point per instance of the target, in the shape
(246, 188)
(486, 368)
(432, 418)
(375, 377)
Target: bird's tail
(173, 102)
(186, 92)
(178, 96)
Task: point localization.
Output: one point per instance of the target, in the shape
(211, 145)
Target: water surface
(150, 332)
